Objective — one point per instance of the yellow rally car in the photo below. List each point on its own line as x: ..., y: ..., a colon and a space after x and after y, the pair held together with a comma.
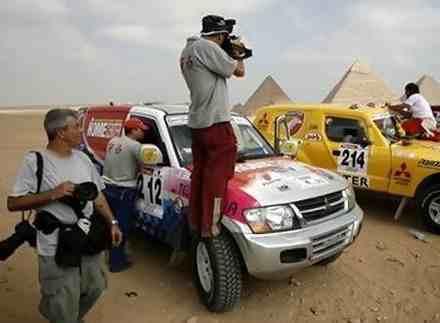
x: 362, y: 143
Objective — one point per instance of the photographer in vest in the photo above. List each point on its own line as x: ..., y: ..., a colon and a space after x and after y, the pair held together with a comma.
x: 67, y: 292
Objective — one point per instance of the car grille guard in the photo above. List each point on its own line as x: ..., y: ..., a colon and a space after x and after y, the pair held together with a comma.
x: 317, y: 209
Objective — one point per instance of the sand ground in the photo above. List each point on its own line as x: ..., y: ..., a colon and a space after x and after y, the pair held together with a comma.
x: 386, y: 276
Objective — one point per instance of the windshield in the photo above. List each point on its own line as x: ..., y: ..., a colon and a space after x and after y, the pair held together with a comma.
x: 388, y: 127
x: 250, y: 143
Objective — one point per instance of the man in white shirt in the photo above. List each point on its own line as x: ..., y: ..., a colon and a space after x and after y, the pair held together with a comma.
x: 421, y: 118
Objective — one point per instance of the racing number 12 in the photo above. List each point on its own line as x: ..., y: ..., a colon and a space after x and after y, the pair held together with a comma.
x: 357, y: 158
x: 155, y: 187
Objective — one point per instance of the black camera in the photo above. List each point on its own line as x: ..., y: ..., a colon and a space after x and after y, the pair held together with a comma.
x: 45, y: 222
x: 235, y: 48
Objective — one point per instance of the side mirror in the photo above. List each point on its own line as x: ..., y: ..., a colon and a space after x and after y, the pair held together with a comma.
x: 364, y: 142
x: 290, y: 147
x: 150, y: 155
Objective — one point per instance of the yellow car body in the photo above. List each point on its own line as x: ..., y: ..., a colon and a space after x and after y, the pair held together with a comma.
x: 331, y: 138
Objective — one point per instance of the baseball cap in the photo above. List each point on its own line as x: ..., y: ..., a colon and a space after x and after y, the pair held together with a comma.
x: 212, y: 24
x: 135, y: 123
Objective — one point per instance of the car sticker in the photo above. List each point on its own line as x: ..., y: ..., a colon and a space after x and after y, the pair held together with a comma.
x: 352, y: 159
x: 310, y: 181
x: 427, y: 163
x: 358, y: 181
x: 313, y: 136
x: 104, y: 128
x: 402, y: 175
x: 152, y: 192
x: 177, y: 120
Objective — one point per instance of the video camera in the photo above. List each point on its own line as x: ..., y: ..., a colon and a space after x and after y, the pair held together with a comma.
x: 25, y: 232
x: 233, y: 44
x: 234, y: 47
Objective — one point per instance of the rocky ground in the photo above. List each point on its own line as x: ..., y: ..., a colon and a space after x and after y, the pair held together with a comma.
x: 386, y: 276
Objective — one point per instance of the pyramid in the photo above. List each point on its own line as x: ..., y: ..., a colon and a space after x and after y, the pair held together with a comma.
x: 269, y: 92
x: 360, y: 85
x: 430, y: 89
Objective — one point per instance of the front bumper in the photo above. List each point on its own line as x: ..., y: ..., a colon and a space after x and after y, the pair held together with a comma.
x: 278, y: 255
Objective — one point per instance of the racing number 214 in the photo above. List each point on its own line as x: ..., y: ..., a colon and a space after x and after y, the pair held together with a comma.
x: 353, y: 158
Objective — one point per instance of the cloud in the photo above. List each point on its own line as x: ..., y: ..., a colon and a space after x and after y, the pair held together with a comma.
x: 136, y: 34
x: 88, y: 50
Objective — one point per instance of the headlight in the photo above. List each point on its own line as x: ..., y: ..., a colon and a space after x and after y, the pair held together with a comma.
x: 350, y: 198
x: 270, y: 219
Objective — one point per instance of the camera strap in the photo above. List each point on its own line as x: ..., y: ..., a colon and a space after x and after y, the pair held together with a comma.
x: 39, y: 175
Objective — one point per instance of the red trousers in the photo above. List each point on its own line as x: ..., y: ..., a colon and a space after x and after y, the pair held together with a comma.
x: 413, y: 126
x: 214, y: 151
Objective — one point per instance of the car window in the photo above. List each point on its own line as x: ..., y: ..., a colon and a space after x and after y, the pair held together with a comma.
x: 344, y: 130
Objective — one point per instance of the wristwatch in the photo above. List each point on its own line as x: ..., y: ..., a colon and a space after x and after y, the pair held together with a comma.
x: 115, y: 222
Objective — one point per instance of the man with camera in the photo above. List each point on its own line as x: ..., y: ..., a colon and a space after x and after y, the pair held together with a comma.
x: 67, y: 292
x: 206, y: 63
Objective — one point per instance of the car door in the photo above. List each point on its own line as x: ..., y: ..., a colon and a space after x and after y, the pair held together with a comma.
x: 349, y: 157
x: 163, y: 193
x: 365, y: 164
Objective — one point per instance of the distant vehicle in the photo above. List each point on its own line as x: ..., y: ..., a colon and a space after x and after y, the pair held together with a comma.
x: 363, y: 144
x: 279, y: 215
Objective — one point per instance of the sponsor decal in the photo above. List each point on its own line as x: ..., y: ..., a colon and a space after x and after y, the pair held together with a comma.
x: 309, y: 181
x: 177, y: 120
x: 231, y: 208
x: 358, y: 181
x: 263, y: 123
x: 283, y: 188
x: 313, y: 136
x: 104, y: 128
x: 402, y: 175
x: 428, y: 163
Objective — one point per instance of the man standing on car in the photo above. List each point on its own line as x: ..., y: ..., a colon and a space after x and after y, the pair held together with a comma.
x: 121, y: 167
x: 421, y: 115
x: 205, y: 67
x: 67, y: 293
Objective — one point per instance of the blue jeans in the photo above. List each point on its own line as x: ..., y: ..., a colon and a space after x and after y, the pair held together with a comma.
x: 121, y: 201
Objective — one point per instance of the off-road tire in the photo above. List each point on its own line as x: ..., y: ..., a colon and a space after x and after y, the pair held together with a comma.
x: 424, y: 201
x: 226, y: 283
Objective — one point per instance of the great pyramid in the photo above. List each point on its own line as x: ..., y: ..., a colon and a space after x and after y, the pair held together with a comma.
x: 430, y: 89
x: 360, y: 85
x: 269, y: 92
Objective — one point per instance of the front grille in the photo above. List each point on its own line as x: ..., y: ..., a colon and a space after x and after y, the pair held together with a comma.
x: 320, y: 207
x: 330, y: 242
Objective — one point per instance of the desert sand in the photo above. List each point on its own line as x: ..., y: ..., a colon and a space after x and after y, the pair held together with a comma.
x: 386, y: 276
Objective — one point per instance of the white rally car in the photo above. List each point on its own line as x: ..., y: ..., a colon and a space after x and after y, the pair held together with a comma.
x: 279, y: 215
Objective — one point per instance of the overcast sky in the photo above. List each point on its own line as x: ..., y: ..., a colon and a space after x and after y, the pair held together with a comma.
x: 87, y: 51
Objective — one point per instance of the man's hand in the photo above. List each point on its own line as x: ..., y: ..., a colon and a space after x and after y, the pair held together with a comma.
x: 64, y: 189
x: 116, y: 235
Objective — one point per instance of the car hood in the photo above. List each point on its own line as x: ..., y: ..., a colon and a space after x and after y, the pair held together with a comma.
x: 418, y: 149
x: 281, y: 180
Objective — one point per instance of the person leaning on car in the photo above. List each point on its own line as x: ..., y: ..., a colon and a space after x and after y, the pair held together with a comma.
x: 205, y: 67
x: 121, y: 167
x: 67, y: 293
